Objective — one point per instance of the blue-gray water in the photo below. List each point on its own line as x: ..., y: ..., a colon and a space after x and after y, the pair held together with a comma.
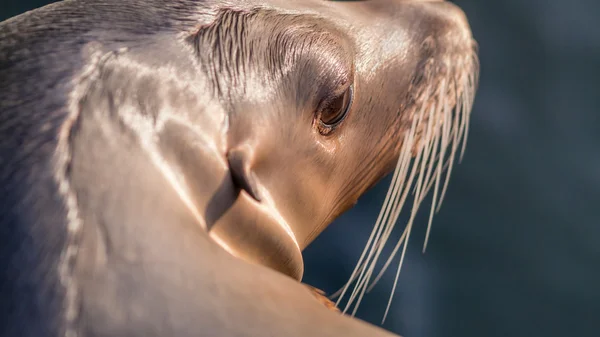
x: 515, y: 249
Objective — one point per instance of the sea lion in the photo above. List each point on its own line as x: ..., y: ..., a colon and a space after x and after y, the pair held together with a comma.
x: 163, y: 164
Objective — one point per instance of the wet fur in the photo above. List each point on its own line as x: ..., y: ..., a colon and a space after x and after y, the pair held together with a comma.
x: 37, y: 84
x: 54, y: 81
x: 44, y: 88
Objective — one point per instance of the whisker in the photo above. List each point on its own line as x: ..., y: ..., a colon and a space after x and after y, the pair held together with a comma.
x: 375, y: 229
x: 405, y: 159
x: 439, y: 126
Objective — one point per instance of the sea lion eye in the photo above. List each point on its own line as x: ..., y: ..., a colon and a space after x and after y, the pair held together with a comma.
x: 334, y: 110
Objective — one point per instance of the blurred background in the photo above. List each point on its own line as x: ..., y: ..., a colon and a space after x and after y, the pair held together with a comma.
x: 515, y: 249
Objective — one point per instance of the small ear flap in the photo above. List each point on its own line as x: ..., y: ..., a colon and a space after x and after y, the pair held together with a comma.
x: 239, y: 166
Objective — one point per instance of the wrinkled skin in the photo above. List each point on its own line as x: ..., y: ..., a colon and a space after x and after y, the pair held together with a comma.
x: 162, y: 164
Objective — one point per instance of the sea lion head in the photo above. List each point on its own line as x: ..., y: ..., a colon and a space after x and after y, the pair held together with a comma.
x: 143, y: 138
x: 323, y: 99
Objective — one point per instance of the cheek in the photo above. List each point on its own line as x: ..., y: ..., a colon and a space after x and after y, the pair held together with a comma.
x: 367, y: 157
x: 287, y: 164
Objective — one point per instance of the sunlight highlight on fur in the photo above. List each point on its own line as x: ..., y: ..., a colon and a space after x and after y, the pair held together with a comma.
x: 427, y: 154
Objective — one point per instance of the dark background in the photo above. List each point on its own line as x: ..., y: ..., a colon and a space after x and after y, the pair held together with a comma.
x: 515, y: 250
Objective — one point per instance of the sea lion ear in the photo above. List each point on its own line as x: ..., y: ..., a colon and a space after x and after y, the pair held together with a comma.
x: 239, y: 159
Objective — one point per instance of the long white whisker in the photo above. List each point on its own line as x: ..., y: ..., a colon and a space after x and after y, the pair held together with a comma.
x: 438, y: 127
x: 360, y: 265
x: 405, y: 159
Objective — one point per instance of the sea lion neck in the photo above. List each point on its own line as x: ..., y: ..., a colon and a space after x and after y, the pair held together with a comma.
x: 242, y: 215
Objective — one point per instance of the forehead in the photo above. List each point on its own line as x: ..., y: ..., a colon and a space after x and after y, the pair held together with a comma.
x: 377, y: 30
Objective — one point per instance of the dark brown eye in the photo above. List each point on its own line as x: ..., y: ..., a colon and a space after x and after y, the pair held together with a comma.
x: 334, y: 110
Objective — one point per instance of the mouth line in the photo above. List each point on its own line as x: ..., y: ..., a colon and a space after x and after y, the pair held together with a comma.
x: 444, y: 85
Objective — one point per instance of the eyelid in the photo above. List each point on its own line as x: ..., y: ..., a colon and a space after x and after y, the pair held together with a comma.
x: 326, y: 129
x: 340, y: 90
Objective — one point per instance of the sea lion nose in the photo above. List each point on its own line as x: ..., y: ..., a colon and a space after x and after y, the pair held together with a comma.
x: 439, y: 11
x: 449, y: 23
x: 449, y: 12
x: 398, y: 1
x: 428, y: 20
